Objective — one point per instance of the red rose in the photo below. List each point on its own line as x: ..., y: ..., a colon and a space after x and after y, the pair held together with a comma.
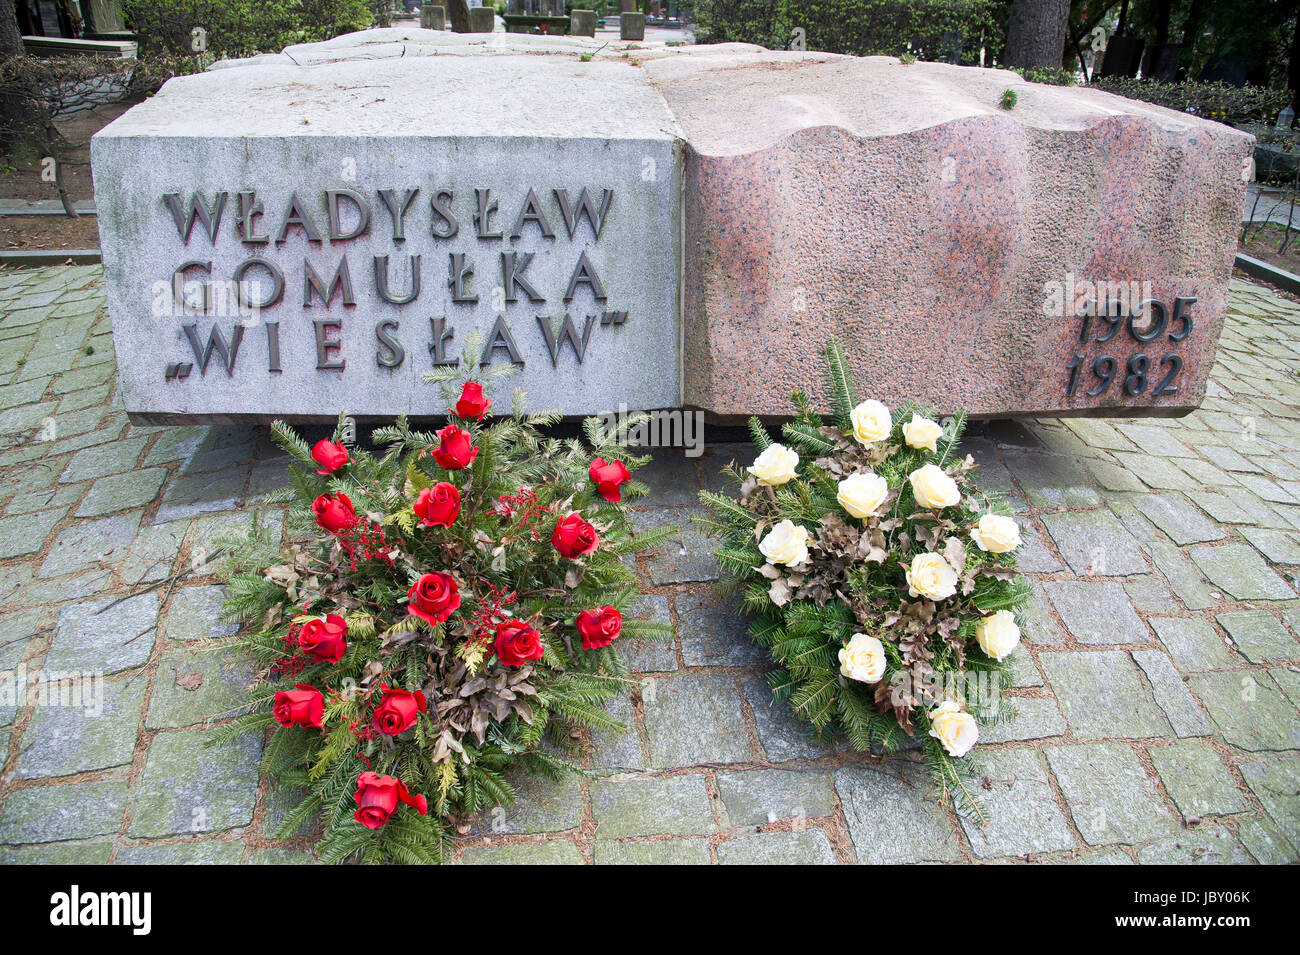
x: 574, y: 537
x: 456, y: 450
x: 599, y: 628
x: 303, y: 706
x: 397, y: 711
x: 323, y: 638
x: 472, y: 405
x: 608, y: 476
x: 434, y: 597
x: 438, y: 505
x: 377, y: 797
x: 329, y: 455
x: 517, y: 643
x: 334, y: 512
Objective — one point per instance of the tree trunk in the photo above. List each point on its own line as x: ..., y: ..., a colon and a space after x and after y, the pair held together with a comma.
x: 1293, y: 72
x: 11, y: 39
x: 1036, y: 33
x: 627, y: 6
x: 458, y: 14
x: 16, y: 113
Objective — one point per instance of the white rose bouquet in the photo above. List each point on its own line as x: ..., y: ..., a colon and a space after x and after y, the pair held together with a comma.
x: 881, y: 580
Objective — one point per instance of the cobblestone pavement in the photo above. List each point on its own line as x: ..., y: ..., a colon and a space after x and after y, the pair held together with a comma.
x: 1155, y: 709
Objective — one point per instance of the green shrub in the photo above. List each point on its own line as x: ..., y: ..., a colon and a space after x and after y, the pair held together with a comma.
x: 1233, y: 105
x: 927, y: 29
x: 239, y: 27
x: 1051, y: 75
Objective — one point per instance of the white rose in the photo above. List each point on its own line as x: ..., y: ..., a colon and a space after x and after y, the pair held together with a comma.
x: 998, y: 635
x: 922, y: 433
x: 932, y: 488
x: 775, y: 465
x: 996, y: 534
x: 863, y: 659
x: 862, y: 494
x: 931, y: 576
x: 955, y: 730
x: 787, y: 543
x: 871, y: 422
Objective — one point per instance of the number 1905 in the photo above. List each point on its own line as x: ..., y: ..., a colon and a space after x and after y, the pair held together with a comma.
x: 1138, y: 371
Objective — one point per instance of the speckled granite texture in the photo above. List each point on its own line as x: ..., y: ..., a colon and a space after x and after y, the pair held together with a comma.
x: 901, y: 209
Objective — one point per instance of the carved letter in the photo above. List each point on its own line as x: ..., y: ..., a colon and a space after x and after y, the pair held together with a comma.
x: 397, y: 209
x: 532, y: 212
x: 438, y: 347
x: 249, y: 210
x: 393, y: 353
x: 442, y: 209
x: 296, y: 216
x: 332, y: 197
x: 273, y: 346
x: 178, y: 289
x: 512, y: 267
x: 211, y: 218
x: 381, y: 280
x: 569, y: 332
x: 585, y: 274
x: 324, y: 344
x: 277, y: 283
x: 460, y: 272
x: 573, y: 219
x: 501, y: 338
x: 311, y: 283
x: 227, y: 351
x: 483, y: 218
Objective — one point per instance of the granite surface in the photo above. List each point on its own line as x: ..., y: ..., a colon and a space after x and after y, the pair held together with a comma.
x: 762, y: 202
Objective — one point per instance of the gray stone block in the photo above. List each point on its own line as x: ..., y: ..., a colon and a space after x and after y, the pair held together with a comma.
x: 889, y: 819
x: 715, y: 632
x: 62, y: 740
x: 1020, y: 805
x: 1094, y: 543
x: 781, y: 733
x: 104, y: 635
x: 757, y: 797
x: 1103, y: 696
x: 694, y: 718
x: 1249, y: 710
x: 1209, y: 846
x: 656, y: 852
x: 1096, y: 613
x: 58, y: 813
x: 1196, y: 780
x: 631, y: 26
x: 433, y: 18
x: 800, y: 847
x: 190, y: 788
x: 672, y: 805
x: 1110, y: 797
x: 582, y: 23
x: 1172, y: 694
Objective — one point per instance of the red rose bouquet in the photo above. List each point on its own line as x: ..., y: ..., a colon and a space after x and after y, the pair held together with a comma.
x: 461, y: 599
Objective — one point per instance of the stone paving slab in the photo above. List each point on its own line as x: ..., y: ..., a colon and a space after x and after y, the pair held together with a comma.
x: 1154, y: 716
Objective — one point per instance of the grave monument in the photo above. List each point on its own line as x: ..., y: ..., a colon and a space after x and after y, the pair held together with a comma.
x: 299, y: 233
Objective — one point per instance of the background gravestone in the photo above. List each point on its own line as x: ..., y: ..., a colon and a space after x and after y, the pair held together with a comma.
x: 433, y: 18
x: 582, y: 23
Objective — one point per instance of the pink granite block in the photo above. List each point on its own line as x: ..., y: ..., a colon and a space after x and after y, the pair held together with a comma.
x: 900, y: 209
